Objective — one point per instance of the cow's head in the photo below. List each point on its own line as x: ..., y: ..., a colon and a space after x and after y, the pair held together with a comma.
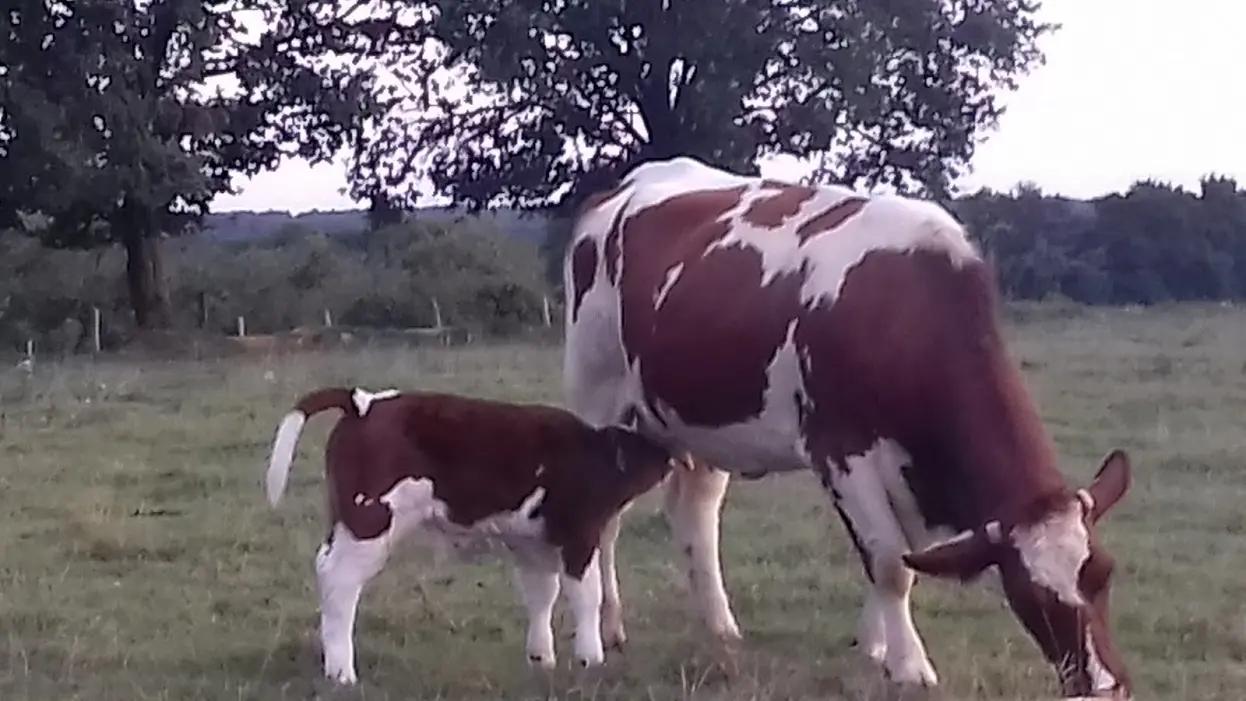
x: 1056, y: 575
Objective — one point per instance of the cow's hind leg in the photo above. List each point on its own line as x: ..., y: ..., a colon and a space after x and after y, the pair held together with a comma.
x: 344, y: 566
x: 694, y: 501
x: 887, y: 629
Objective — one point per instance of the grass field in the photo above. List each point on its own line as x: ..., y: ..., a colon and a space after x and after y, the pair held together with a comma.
x: 141, y: 561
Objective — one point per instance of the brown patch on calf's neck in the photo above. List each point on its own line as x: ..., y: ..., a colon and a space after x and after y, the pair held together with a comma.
x: 705, y: 389
x: 770, y: 211
x: 831, y: 218
x: 583, y: 270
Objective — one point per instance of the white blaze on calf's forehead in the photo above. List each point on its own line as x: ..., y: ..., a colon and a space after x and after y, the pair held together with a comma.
x: 1054, y: 550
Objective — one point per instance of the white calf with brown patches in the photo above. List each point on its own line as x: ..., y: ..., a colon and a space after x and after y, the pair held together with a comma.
x: 768, y: 327
x: 541, y: 488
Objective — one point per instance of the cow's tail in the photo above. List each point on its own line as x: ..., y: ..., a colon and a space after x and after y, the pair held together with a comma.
x: 291, y: 428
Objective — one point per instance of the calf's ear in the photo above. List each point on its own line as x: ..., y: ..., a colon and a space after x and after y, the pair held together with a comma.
x: 963, y: 557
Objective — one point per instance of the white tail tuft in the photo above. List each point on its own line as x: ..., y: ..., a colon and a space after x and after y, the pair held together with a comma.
x: 283, y: 454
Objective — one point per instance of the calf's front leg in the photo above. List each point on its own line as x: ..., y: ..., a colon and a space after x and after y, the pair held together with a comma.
x: 581, y: 584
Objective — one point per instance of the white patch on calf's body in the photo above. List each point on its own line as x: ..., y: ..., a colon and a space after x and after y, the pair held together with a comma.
x: 364, y: 399
x: 417, y: 512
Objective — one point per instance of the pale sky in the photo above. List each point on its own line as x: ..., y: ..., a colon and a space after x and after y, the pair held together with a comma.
x: 1131, y: 89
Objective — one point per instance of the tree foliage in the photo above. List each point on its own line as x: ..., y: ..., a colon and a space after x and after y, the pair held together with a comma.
x: 107, y: 130
x: 1152, y: 244
x: 512, y: 101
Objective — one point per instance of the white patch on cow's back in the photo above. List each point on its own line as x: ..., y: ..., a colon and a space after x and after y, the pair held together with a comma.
x: 654, y: 182
x: 364, y: 399
x: 885, y: 223
x: 416, y: 511
x: 1054, y: 550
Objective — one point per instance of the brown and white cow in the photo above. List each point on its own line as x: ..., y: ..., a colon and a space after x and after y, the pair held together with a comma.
x: 473, y: 476
x: 769, y: 327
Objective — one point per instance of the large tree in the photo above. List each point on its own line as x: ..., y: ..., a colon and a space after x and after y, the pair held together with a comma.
x: 108, y: 131
x: 511, y: 101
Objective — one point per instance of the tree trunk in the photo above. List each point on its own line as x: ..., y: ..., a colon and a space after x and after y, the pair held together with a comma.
x: 144, y: 270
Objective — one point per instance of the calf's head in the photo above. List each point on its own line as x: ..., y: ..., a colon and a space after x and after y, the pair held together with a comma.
x: 636, y: 454
x: 1056, y: 576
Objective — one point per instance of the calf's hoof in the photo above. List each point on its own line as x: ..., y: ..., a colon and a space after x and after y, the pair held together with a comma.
x: 542, y: 661
x: 586, y: 662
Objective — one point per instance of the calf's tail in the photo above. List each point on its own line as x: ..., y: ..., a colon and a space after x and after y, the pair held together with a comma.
x: 291, y: 428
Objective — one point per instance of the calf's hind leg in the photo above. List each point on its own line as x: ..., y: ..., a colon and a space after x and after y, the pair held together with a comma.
x: 344, y: 566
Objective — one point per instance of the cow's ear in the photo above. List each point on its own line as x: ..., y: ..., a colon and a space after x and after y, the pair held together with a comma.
x: 1109, y: 485
x: 963, y: 557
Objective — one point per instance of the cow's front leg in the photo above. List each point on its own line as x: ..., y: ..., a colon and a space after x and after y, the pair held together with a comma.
x: 694, y: 499
x: 538, y: 587
x: 581, y: 584
x: 887, y: 628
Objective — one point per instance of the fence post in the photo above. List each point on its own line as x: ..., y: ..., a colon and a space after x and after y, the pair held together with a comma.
x: 242, y: 326
x: 328, y: 317
x: 545, y: 313
x: 97, y: 324
x: 436, y: 314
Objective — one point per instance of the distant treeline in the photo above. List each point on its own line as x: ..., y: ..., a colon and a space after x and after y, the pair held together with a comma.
x: 480, y: 280
x: 1152, y: 244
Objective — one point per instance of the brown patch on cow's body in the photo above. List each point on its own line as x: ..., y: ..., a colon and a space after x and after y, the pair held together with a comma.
x: 438, y: 437
x: 704, y: 389
x: 954, y: 401
x: 830, y: 219
x: 770, y: 211
x: 583, y: 270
